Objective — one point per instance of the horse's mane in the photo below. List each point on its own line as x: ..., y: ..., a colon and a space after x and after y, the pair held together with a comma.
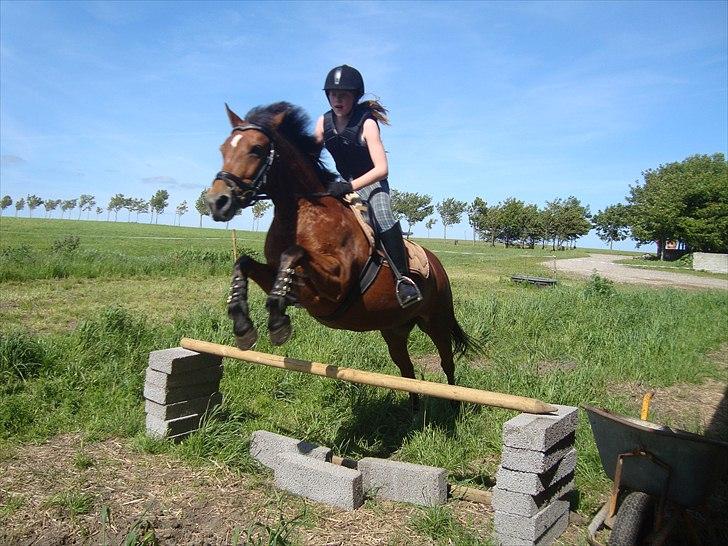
x: 293, y: 128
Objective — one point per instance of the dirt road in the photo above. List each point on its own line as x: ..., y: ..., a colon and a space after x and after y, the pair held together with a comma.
x: 604, y: 265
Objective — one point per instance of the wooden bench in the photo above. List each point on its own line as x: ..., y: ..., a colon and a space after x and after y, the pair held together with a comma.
x: 538, y: 281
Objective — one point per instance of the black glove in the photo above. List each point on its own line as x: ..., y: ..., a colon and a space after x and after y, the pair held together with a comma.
x: 340, y: 188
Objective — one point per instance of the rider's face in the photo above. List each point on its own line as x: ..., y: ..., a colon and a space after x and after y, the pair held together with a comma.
x: 341, y: 101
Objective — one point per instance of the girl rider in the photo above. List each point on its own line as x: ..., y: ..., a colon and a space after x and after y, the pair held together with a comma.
x: 350, y: 132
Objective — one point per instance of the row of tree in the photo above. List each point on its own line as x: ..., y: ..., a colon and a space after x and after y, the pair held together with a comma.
x: 133, y: 205
x: 681, y: 202
x: 511, y: 222
x: 684, y: 202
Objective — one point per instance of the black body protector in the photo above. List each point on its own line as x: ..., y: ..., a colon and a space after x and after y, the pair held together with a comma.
x: 352, y: 159
x: 350, y: 154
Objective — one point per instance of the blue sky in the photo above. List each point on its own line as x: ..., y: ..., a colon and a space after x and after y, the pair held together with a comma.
x: 533, y: 100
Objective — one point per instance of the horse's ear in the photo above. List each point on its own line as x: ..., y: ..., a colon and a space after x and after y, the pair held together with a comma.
x: 233, y: 117
x: 278, y: 118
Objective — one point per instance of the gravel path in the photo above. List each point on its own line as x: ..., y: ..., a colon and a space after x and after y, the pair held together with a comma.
x: 605, y: 266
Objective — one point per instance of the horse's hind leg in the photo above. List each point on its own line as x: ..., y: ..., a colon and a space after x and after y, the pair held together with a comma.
x: 245, y: 333
x: 396, y: 339
x: 438, y: 329
x: 281, y: 296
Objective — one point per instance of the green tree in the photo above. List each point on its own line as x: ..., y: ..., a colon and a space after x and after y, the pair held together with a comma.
x: 429, y: 224
x: 492, y: 225
x: 50, y: 205
x: 33, y: 203
x: 450, y: 211
x: 258, y: 210
x: 99, y: 210
x: 140, y: 206
x: 68, y: 205
x: 511, y: 217
x: 158, y: 203
x: 201, y: 206
x: 116, y: 203
x: 685, y: 201
x: 477, y: 211
x: 86, y: 202
x: 19, y: 205
x: 611, y: 224
x: 5, y: 202
x: 411, y: 206
x: 180, y: 210
x: 565, y: 221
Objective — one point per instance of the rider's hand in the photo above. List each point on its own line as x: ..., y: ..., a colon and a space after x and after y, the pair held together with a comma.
x: 340, y: 188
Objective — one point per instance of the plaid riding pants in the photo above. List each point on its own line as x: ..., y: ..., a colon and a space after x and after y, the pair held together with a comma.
x: 380, y: 205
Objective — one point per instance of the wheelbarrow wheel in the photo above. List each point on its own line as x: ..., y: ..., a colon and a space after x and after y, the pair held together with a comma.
x: 634, y: 520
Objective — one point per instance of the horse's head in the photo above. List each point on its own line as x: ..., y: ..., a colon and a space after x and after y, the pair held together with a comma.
x: 247, y: 155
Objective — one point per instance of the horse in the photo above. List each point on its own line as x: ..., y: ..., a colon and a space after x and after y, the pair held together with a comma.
x: 315, y: 251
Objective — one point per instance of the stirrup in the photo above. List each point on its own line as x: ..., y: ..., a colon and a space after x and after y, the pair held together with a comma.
x: 412, y: 298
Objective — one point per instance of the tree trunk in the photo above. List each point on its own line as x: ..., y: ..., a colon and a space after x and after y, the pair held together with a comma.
x: 200, y: 220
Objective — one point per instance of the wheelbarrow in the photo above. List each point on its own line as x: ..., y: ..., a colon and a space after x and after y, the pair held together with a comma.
x: 665, y: 471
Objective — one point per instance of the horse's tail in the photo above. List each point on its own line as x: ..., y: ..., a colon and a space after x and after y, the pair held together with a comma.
x: 463, y: 343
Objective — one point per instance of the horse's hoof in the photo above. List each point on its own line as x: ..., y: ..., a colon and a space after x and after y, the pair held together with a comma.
x: 280, y: 335
x: 247, y: 340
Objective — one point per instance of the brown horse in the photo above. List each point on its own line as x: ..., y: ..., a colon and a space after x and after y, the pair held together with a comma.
x: 314, y: 250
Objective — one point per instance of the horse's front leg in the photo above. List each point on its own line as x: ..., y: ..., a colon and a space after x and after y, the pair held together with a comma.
x: 245, y: 333
x: 281, y: 296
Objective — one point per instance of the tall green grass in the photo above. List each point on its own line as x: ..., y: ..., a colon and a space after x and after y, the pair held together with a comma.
x: 568, y: 345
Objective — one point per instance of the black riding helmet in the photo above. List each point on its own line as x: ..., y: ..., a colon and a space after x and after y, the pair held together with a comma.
x: 346, y: 78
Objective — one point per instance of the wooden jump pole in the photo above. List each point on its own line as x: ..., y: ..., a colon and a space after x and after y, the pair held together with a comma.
x: 417, y: 386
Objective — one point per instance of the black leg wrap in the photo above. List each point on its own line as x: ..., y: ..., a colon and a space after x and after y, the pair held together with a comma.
x: 245, y: 333
x: 280, y: 297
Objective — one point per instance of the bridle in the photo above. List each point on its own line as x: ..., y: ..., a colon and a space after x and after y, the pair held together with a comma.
x: 248, y: 191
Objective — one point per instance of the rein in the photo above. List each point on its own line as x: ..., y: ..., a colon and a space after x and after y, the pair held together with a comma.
x: 248, y: 191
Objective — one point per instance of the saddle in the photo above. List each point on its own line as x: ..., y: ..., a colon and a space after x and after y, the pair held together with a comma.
x: 416, y: 257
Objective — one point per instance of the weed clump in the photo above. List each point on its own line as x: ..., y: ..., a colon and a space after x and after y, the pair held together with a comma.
x: 22, y: 357
x: 68, y: 244
x: 598, y: 286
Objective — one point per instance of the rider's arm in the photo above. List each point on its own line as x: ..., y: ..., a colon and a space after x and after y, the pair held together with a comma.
x: 318, y: 132
x: 373, y: 140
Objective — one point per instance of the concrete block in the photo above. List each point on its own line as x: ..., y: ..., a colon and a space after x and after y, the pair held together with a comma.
x: 531, y: 529
x: 522, y: 504
x: 540, y: 432
x: 537, y: 462
x: 267, y: 446
x: 535, y: 484
x: 180, y: 361
x: 319, y: 481
x: 551, y: 534
x: 161, y: 428
x: 210, y: 374
x: 404, y: 482
x: 162, y: 395
x: 181, y: 409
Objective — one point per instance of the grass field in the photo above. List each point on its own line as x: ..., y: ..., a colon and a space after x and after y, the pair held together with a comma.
x: 77, y: 319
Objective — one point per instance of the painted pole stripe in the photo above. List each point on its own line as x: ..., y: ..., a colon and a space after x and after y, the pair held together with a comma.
x: 417, y: 386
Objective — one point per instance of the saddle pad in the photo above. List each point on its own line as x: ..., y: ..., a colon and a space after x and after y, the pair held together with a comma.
x: 417, y: 258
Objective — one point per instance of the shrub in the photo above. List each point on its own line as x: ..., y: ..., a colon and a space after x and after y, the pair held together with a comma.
x: 67, y: 244
x: 21, y: 356
x: 599, y: 286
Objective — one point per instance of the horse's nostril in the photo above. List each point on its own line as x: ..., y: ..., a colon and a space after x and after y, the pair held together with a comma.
x: 222, y: 202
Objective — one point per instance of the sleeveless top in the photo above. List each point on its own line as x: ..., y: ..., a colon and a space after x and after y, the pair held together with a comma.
x: 350, y: 154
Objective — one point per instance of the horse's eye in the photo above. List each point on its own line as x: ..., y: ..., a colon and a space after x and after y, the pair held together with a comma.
x: 257, y: 150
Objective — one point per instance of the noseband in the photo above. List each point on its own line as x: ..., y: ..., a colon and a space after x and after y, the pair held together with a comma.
x: 248, y: 191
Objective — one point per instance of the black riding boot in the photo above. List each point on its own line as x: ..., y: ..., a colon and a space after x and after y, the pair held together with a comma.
x: 407, y: 291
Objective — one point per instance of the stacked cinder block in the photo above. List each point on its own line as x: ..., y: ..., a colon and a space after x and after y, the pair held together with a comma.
x: 536, y: 474
x: 180, y: 387
x: 305, y: 469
